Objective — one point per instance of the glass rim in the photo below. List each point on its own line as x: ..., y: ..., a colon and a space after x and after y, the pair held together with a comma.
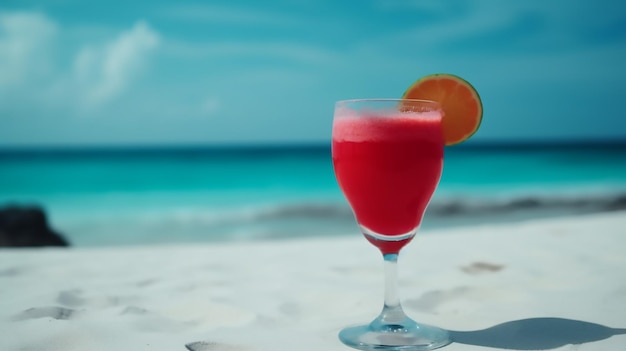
x: 417, y: 101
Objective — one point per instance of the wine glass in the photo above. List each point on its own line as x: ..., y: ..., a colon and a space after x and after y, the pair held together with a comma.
x: 388, y: 158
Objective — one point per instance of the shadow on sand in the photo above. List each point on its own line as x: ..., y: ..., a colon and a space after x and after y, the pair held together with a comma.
x: 536, y: 334
x: 523, y: 334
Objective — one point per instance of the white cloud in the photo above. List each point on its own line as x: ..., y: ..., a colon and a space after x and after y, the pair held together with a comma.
x: 39, y: 71
x: 105, y: 71
x: 25, y: 40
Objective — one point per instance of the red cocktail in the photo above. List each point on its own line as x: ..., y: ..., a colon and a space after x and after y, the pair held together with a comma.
x: 388, y: 167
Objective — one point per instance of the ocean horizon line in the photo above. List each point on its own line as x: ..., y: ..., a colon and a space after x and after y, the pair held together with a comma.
x: 505, y: 145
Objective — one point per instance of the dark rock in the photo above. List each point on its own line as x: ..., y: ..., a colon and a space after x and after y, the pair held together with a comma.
x: 27, y: 227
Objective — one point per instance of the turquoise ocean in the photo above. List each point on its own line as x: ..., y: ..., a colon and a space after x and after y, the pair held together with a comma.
x: 138, y: 196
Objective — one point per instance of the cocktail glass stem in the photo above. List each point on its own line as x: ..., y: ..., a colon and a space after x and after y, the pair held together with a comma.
x: 392, y: 312
x: 392, y: 329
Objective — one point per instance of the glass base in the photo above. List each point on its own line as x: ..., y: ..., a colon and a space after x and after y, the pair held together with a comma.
x: 407, y: 336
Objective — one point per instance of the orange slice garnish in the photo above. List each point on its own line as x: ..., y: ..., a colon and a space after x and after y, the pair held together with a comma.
x: 462, y: 108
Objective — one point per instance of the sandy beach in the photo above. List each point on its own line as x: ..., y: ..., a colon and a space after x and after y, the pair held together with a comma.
x: 553, y: 284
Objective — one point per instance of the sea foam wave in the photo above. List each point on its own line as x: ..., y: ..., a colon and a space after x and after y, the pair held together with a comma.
x: 440, y: 208
x: 568, y: 203
x: 308, y: 219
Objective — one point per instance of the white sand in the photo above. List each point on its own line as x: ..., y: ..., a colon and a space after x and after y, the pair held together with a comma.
x: 296, y: 295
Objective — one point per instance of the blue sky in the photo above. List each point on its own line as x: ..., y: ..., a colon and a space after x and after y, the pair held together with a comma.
x: 179, y: 72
